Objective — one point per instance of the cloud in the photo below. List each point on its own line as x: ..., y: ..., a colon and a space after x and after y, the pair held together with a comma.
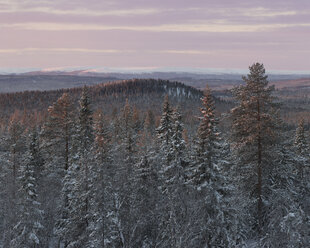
x: 253, y: 12
x: 189, y: 52
x: 220, y: 27
x: 81, y: 11
x: 86, y: 50
x: 263, y: 12
x: 61, y: 50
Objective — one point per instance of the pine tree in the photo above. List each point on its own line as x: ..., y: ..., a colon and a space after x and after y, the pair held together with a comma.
x: 254, y: 133
x: 57, y: 131
x: 57, y: 136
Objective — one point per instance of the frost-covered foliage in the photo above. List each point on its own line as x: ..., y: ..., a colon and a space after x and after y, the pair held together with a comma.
x: 287, y: 224
x: 301, y: 142
x: 29, y: 229
x: 137, y: 177
x: 214, y: 226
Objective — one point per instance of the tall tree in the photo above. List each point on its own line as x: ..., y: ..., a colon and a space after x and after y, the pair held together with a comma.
x: 172, y: 156
x: 101, y: 185
x: 254, y: 133
x: 73, y: 224
x: 165, y: 130
x: 207, y: 144
x: 57, y: 135
x: 15, y: 143
x: 207, y: 176
x: 58, y: 130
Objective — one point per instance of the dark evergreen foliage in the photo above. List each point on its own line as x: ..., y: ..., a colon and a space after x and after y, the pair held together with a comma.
x: 107, y: 168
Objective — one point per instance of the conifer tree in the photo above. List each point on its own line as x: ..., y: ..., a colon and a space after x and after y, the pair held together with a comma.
x: 207, y: 145
x: 124, y: 185
x: 15, y: 142
x: 149, y: 122
x: 29, y: 230
x: 178, y: 142
x: 58, y: 130
x: 101, y: 185
x: 254, y: 133
x: 146, y: 196
x: 172, y: 159
x: 207, y: 176
x: 72, y: 226
x: 16, y: 146
x: 165, y: 130
x: 57, y: 135
x: 128, y: 135
x: 85, y: 132
x: 288, y: 224
x: 301, y: 143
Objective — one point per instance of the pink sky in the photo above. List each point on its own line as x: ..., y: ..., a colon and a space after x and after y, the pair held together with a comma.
x: 159, y: 33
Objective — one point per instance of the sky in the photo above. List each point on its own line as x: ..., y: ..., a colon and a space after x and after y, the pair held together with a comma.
x: 145, y: 35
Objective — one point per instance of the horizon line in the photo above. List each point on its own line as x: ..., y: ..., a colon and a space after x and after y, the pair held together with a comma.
x: 144, y: 70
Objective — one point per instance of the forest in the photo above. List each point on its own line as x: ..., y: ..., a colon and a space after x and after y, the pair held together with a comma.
x: 153, y: 164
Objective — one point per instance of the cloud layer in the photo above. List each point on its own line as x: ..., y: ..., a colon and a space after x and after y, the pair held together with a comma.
x: 173, y: 33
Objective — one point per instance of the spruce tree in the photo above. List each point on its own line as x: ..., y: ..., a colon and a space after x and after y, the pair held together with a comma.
x: 287, y: 208
x: 29, y: 230
x: 146, y: 196
x: 207, y: 144
x: 101, y: 185
x: 15, y: 143
x: 301, y: 143
x: 213, y: 223
x: 165, y: 130
x: 172, y: 159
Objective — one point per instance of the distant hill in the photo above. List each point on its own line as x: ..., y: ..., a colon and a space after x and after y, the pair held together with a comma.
x: 53, y: 80
x: 297, y: 83
x: 23, y: 82
x: 144, y: 94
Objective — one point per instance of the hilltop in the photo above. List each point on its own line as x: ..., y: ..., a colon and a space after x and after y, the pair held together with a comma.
x: 143, y: 94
